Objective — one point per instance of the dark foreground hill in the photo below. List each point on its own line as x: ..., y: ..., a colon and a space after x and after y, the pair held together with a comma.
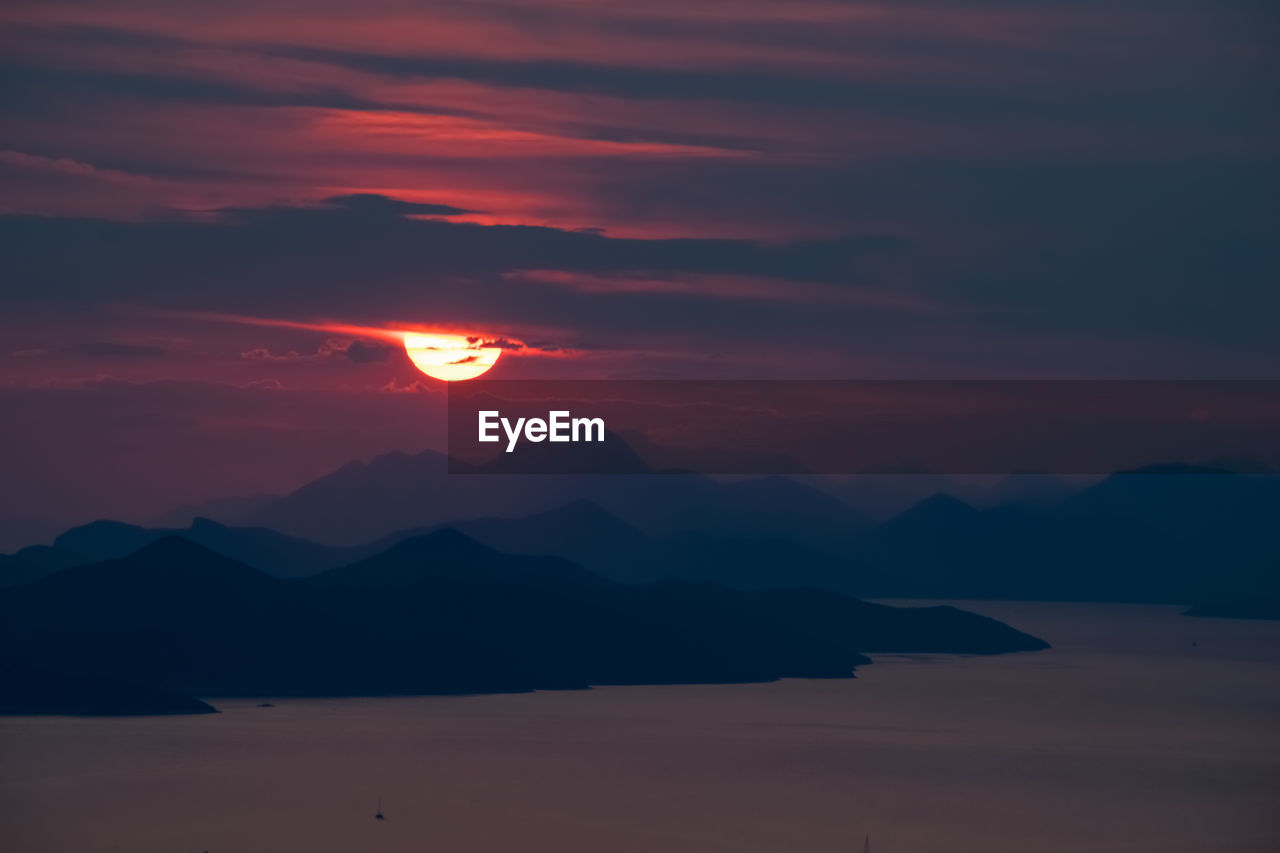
x: 444, y: 614
x: 24, y: 690
x: 35, y: 561
x: 274, y: 553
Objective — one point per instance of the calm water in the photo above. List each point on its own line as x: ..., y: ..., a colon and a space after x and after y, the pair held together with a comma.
x: 1125, y: 737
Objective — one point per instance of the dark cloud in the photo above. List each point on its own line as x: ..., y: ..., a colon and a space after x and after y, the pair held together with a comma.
x: 1171, y: 252
x: 1069, y: 188
x: 374, y: 205
x: 1090, y: 170
x: 34, y: 90
x: 1090, y: 99
x: 314, y: 255
x: 500, y: 343
x: 355, y: 351
x: 361, y: 352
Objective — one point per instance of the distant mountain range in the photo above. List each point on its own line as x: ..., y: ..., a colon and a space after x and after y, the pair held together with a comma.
x: 1164, y: 534
x: 363, y: 501
x: 435, y: 613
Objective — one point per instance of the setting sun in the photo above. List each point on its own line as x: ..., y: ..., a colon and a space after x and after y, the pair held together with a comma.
x: 450, y: 357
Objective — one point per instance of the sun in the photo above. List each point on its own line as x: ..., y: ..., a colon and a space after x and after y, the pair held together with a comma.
x: 450, y: 357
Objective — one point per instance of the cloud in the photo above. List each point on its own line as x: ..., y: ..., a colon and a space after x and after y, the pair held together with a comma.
x: 355, y: 351
x: 378, y: 205
x: 498, y: 343
x: 656, y: 178
x: 368, y: 353
x: 1116, y: 253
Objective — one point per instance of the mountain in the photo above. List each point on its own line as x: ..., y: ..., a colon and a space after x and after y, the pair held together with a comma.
x: 867, y: 626
x: 17, y: 532
x: 882, y: 496
x: 710, y: 460
x: 1164, y: 534
x: 275, y: 553
x: 448, y: 554
x: 781, y: 506
x: 1176, y: 534
x: 34, y: 562
x: 581, y: 531
x: 28, y: 691
x: 439, y: 613
x: 231, y: 510
x: 1028, y: 489
x: 743, y: 562
x: 613, y: 455
x: 104, y: 539
x: 364, y: 501
x: 945, y: 549
x: 1188, y: 502
x: 585, y: 533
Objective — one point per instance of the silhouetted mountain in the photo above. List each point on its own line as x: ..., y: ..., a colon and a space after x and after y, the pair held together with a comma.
x: 18, y: 532
x: 866, y: 626
x: 587, y: 534
x: 883, y: 496
x: 275, y: 553
x: 784, y: 507
x: 24, y: 690
x: 105, y: 539
x: 744, y: 562
x: 362, y: 502
x: 710, y: 460
x: 611, y: 456
x: 35, y: 562
x: 1028, y: 489
x: 580, y: 531
x: 1169, y: 533
x: 230, y: 511
x: 168, y: 582
x: 438, y: 613
x: 448, y: 554
x: 1186, y: 500
x: 939, y: 512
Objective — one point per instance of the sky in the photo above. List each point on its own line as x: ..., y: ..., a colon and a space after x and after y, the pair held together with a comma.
x: 693, y: 189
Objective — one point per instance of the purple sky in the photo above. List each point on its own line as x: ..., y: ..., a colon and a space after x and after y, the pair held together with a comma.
x: 700, y: 189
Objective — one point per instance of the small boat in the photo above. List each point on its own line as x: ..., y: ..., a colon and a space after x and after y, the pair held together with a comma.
x: 379, y: 816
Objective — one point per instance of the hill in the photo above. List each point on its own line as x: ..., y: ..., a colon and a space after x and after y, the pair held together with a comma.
x: 440, y: 613
x: 28, y: 691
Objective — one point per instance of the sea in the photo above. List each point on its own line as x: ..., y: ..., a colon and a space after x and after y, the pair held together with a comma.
x: 1141, y: 730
